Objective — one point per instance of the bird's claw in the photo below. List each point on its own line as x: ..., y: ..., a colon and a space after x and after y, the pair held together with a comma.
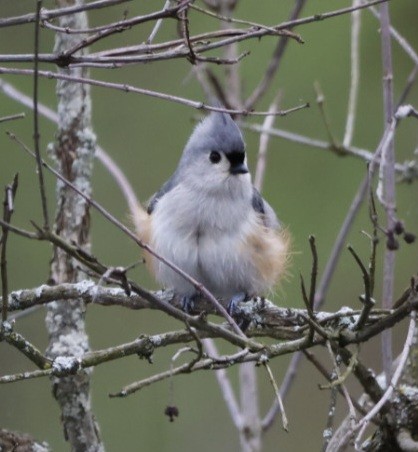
x: 233, y: 303
x: 187, y: 303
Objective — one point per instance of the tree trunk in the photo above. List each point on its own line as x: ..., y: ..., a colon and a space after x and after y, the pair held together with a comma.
x: 74, y: 152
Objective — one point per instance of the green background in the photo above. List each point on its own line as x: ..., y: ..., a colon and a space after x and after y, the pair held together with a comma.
x: 310, y: 189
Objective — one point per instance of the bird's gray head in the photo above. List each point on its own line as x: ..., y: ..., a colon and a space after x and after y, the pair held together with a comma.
x: 215, y: 154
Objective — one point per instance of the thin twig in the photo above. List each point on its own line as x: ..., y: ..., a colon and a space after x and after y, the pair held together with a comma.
x: 225, y: 386
x: 12, y: 117
x: 363, y: 154
x: 233, y: 20
x: 212, y: 363
x: 263, y: 146
x: 59, y: 12
x: 320, y: 100
x: 408, y: 86
x: 314, y: 273
x: 340, y: 380
x: 157, y: 25
x: 319, y: 366
x: 328, y: 432
x: 309, y: 310
x: 387, y: 184
x: 119, y: 26
x: 19, y: 231
x: 183, y: 14
x: 8, y: 208
x: 25, y: 347
x: 285, y: 422
x: 355, y: 75
x: 36, y: 122
x: 401, y: 40
x: 367, y: 299
x: 156, y: 94
x: 182, y: 53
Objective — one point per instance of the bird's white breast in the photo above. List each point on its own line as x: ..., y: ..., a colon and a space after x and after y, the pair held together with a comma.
x: 205, y: 236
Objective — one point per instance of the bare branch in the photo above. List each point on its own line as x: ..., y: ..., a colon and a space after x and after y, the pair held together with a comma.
x: 386, y: 187
x: 59, y: 12
x: 285, y: 422
x: 279, y: 323
x: 159, y: 95
x: 24, y: 346
x: 8, y: 208
x: 36, y: 135
x: 262, y: 150
x: 363, y: 154
x: 355, y: 75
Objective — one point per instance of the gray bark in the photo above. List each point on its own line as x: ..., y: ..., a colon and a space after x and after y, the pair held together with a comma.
x: 73, y: 152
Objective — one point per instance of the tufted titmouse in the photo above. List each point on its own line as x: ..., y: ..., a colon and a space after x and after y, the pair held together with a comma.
x: 210, y: 221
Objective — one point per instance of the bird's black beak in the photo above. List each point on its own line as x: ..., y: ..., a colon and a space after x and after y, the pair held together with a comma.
x: 238, y: 168
x: 237, y: 162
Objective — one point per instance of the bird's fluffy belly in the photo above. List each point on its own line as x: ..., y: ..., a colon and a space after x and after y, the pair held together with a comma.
x: 226, y: 263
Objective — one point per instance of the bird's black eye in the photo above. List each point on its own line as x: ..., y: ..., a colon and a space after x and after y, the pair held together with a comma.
x: 215, y: 157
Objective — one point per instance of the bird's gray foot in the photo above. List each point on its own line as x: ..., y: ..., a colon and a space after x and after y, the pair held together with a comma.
x: 233, y: 310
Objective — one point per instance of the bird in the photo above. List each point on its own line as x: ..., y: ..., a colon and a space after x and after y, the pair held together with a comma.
x: 210, y: 221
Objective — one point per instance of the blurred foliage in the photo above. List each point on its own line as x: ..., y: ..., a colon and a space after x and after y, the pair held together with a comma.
x: 310, y: 190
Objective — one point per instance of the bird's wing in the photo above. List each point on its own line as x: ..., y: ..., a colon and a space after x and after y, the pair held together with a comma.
x: 262, y: 207
x: 168, y: 186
